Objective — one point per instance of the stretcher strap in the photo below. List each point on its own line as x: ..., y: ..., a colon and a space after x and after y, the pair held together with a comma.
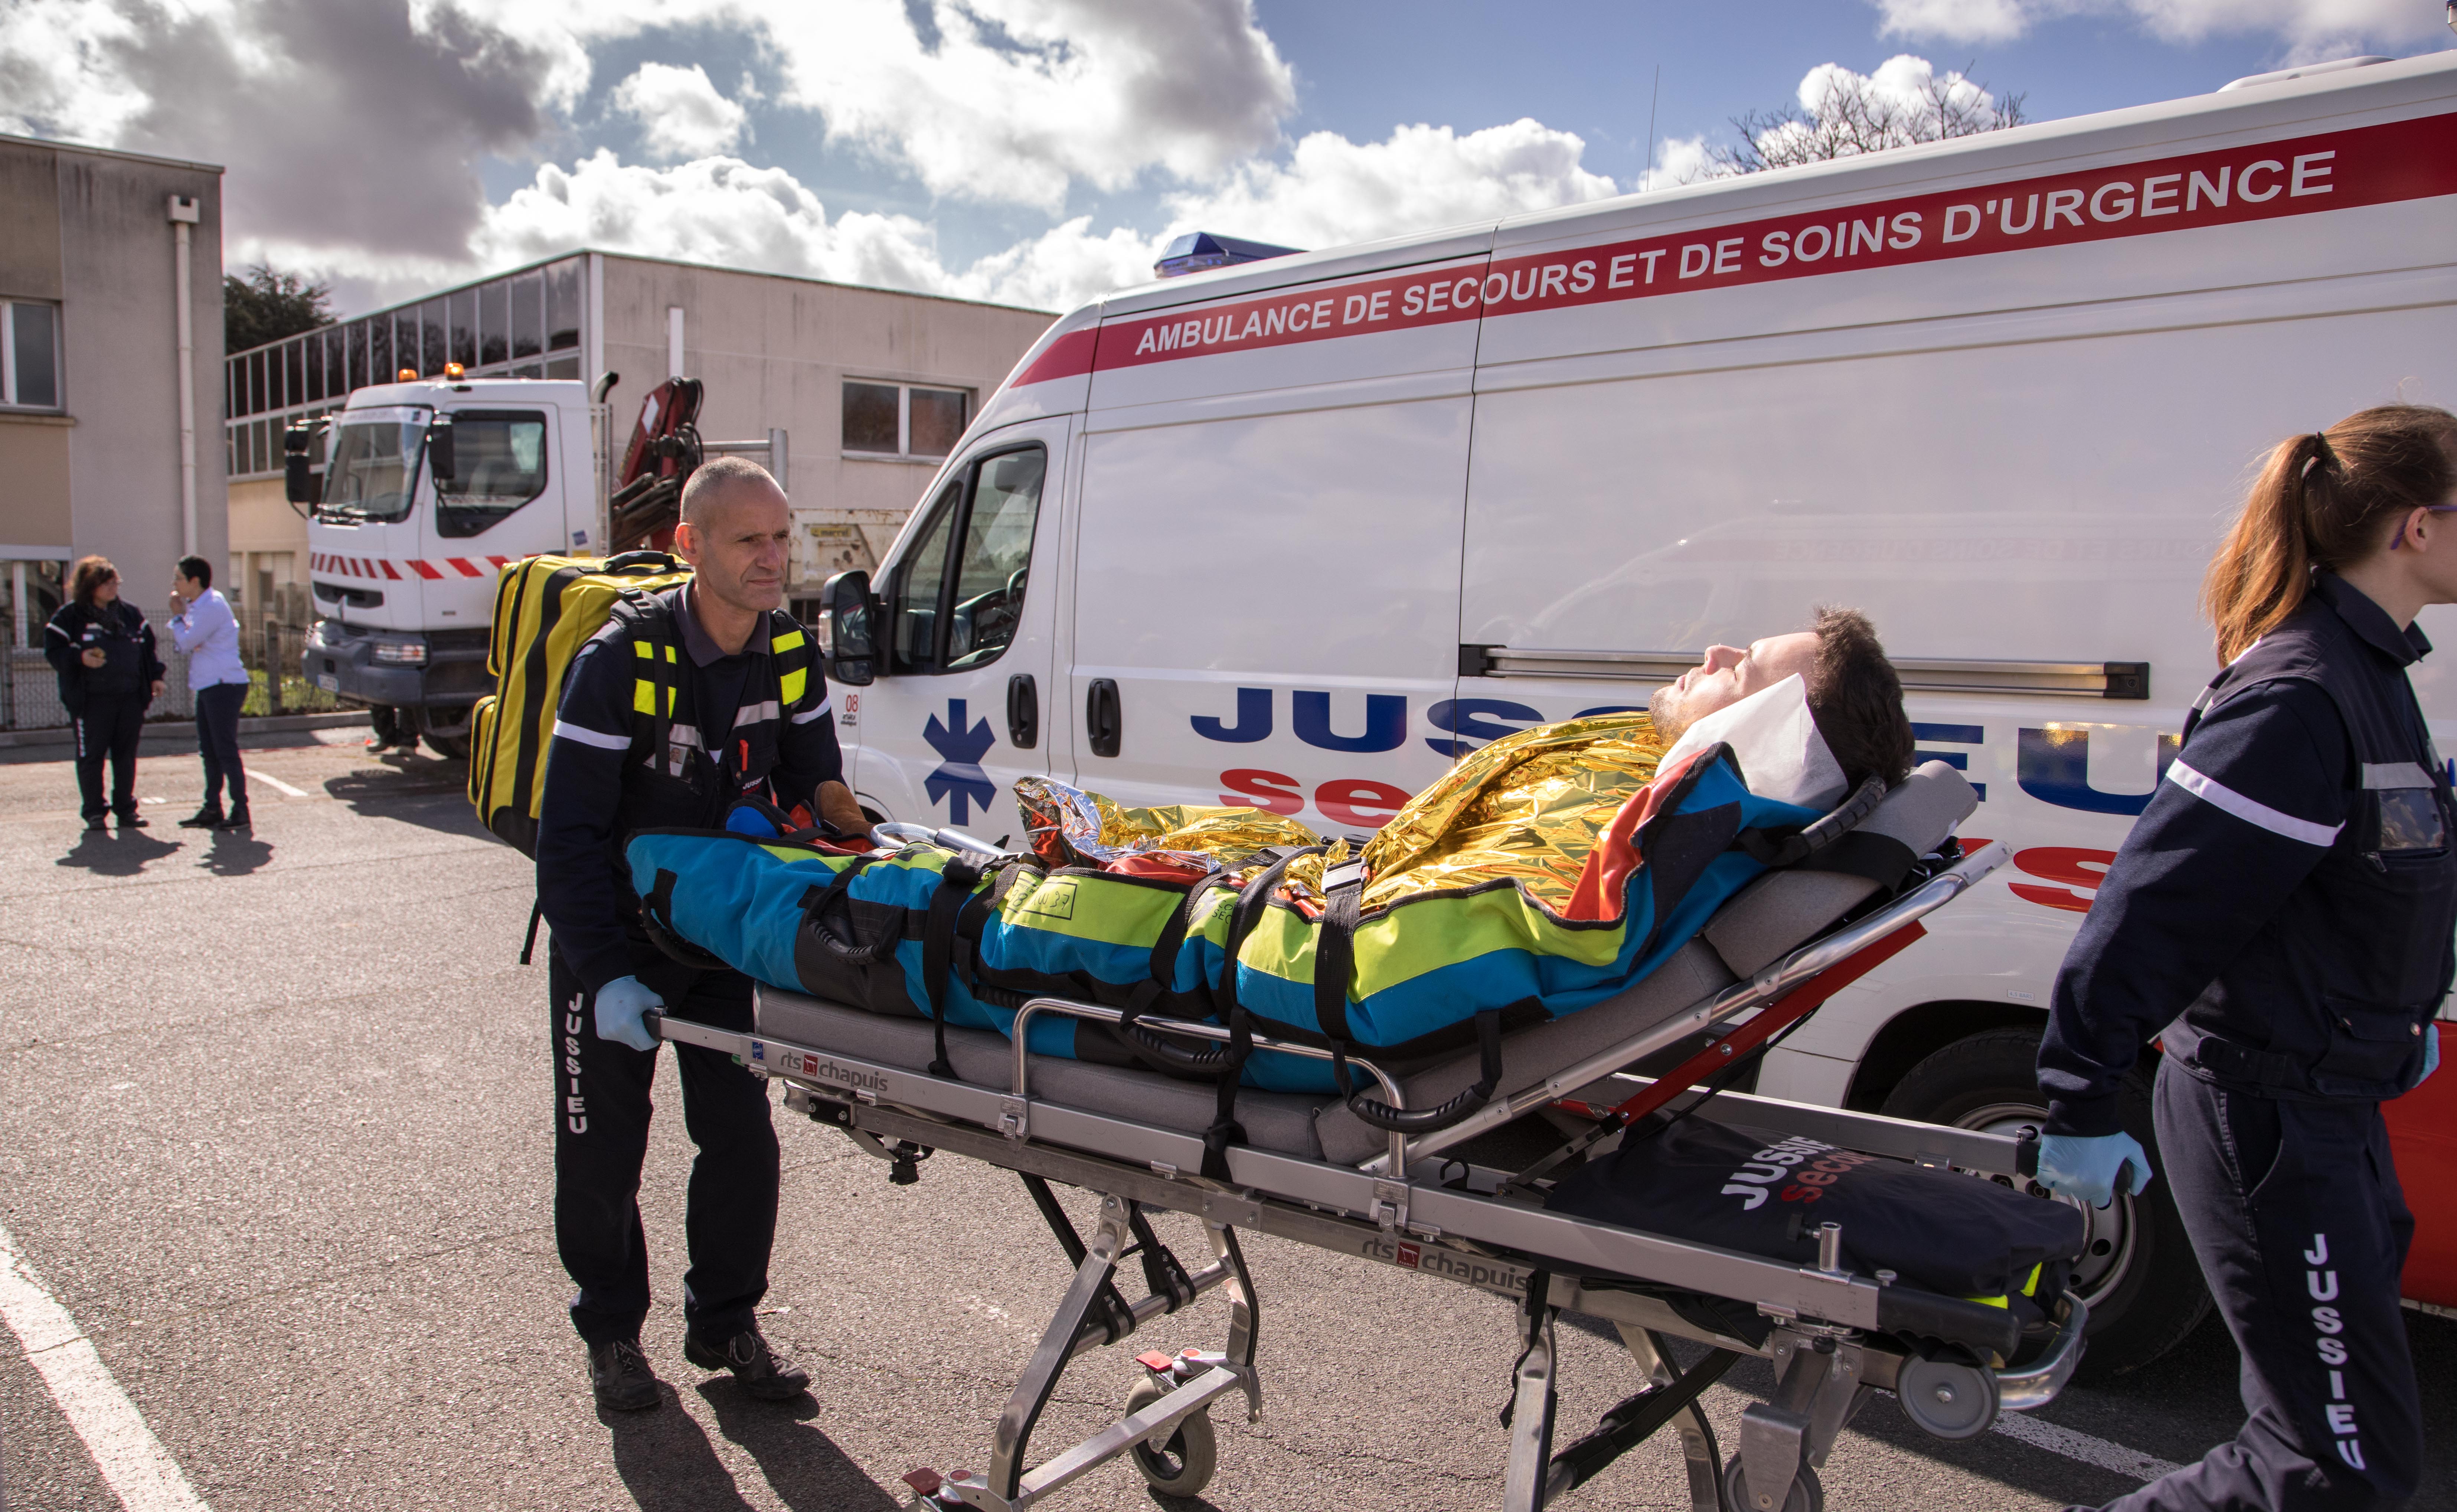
x: 1334, y: 960
x: 1225, y: 1130
x: 1160, y: 984
x: 957, y: 880
x: 1426, y: 1120
x: 1769, y: 848
x: 819, y: 902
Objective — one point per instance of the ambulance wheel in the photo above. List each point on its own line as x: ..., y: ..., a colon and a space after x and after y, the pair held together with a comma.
x: 450, y: 747
x: 1182, y: 1463
x: 1806, y: 1495
x: 2137, y: 1271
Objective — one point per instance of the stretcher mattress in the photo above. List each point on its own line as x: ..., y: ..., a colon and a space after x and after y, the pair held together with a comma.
x: 1775, y: 915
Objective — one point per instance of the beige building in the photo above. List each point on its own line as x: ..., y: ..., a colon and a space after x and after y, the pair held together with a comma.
x: 870, y: 387
x: 103, y: 447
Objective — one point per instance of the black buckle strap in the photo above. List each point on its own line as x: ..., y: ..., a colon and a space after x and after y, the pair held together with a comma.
x: 957, y: 878
x: 1225, y: 1130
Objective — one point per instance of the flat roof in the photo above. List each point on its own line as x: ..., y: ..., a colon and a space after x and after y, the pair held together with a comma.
x: 109, y: 152
x: 517, y: 269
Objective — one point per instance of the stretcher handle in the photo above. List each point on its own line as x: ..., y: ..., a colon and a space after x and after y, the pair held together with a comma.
x: 1418, y: 1121
x: 1176, y: 1058
x: 1925, y: 1315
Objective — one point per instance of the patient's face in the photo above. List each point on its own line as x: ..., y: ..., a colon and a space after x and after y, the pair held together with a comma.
x: 1728, y: 674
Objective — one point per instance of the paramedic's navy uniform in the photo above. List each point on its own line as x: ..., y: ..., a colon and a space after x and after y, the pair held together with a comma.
x: 106, y: 704
x: 609, y: 773
x: 2281, y: 918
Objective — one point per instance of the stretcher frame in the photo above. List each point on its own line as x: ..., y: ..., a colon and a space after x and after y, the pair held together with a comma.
x: 1834, y: 1337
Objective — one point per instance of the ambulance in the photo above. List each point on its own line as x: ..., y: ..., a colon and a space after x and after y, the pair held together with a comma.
x: 1299, y: 532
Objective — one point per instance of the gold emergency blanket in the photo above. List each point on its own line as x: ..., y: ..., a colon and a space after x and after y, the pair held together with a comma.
x: 1527, y: 807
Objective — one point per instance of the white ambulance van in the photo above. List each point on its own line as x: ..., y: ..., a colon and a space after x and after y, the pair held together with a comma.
x: 1299, y: 532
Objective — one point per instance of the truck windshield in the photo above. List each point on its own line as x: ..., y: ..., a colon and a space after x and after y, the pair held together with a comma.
x: 374, y: 466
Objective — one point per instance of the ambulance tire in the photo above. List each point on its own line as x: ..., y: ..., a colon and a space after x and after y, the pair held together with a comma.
x: 1183, y: 1462
x: 450, y: 747
x: 2140, y: 1277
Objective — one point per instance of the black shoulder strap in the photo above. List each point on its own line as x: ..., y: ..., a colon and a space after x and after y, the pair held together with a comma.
x: 1334, y: 960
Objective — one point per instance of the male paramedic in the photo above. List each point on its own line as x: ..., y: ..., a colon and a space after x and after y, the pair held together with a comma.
x: 685, y: 704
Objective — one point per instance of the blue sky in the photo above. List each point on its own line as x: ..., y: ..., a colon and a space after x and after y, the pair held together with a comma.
x: 1031, y: 151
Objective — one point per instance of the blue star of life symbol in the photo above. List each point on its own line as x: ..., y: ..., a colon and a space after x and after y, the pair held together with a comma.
x: 960, y: 779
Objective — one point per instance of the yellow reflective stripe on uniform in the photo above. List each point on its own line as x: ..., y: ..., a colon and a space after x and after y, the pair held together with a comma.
x: 1988, y: 1301
x: 643, y: 650
x: 791, y: 640
x: 792, y: 684
x: 2030, y: 1287
x: 644, y: 695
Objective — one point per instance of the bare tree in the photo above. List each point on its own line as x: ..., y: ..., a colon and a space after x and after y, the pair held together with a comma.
x: 1856, y: 113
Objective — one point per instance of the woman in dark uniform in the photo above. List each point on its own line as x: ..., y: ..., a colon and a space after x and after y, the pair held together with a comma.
x: 109, y: 672
x: 2281, y: 919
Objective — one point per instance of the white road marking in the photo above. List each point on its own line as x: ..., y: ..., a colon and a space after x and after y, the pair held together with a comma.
x: 138, y: 1469
x: 2082, y: 1446
x: 275, y: 783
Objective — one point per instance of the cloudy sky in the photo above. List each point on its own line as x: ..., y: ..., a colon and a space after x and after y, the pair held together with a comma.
x: 1037, y: 151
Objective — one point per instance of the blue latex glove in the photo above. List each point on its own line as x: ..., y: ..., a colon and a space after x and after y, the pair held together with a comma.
x: 747, y: 820
x: 622, y: 1012
x: 2085, y: 1166
x: 2431, y: 1052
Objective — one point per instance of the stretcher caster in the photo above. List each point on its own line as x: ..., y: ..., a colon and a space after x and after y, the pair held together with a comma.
x: 1806, y: 1494
x: 1182, y: 1461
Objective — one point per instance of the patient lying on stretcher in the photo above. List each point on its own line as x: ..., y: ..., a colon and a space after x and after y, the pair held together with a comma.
x: 1812, y: 715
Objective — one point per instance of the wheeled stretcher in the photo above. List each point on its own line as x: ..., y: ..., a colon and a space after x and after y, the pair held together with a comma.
x: 1311, y: 1170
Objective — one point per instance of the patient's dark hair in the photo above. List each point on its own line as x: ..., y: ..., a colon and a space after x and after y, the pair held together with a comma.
x: 1857, y: 701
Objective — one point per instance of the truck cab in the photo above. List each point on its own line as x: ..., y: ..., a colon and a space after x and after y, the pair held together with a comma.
x: 427, y: 488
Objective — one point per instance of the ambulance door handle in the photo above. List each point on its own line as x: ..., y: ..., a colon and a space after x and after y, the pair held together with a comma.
x: 1100, y: 719
x: 1023, y: 712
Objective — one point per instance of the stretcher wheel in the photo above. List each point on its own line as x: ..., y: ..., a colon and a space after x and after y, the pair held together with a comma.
x: 1182, y: 1463
x: 1806, y: 1494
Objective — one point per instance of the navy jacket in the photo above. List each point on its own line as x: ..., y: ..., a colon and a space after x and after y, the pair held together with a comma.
x: 2280, y: 915
x: 604, y: 780
x: 130, y: 666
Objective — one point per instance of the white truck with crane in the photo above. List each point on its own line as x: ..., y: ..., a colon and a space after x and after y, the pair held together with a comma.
x: 430, y: 485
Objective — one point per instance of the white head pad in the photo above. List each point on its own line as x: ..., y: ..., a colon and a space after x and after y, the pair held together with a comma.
x: 1782, y: 755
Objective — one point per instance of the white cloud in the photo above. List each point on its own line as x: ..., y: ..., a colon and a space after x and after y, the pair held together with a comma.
x: 1332, y: 190
x: 1013, y: 100
x: 2305, y: 27
x: 1680, y: 161
x: 681, y: 114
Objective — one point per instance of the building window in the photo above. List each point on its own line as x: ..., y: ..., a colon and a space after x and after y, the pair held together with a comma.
x: 562, y: 305
x: 30, y: 357
x: 903, y: 420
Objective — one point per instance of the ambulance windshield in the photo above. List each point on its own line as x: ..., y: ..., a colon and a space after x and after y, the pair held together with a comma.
x: 374, y: 466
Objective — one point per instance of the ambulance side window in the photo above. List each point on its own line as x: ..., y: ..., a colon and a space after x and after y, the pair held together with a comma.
x: 957, y: 597
x: 996, y: 554
x: 920, y: 582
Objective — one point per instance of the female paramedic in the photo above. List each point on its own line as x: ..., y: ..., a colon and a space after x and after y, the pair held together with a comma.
x: 2280, y: 918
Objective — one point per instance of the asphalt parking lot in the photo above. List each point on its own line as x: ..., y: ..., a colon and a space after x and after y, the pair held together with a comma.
x: 274, y: 1132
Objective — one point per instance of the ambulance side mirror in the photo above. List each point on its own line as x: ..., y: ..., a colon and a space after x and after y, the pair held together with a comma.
x: 299, y: 481
x: 853, y: 648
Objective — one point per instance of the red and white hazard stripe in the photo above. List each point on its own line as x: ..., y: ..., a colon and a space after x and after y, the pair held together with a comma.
x: 381, y: 570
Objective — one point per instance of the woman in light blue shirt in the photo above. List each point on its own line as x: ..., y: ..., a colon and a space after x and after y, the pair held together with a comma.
x: 203, y: 626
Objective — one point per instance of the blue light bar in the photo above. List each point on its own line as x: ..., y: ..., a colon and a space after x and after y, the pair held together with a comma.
x: 1198, y: 250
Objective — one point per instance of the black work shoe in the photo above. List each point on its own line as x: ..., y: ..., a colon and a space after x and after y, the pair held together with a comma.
x: 96, y: 823
x: 762, y: 1371
x: 208, y: 818
x: 131, y: 821
x: 619, y: 1374
x: 237, y: 819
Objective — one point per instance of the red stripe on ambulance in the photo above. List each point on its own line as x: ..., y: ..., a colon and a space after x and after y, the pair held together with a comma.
x: 2370, y: 165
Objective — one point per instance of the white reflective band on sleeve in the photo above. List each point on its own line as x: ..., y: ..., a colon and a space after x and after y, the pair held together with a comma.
x: 602, y: 742
x: 2246, y: 809
x: 755, y: 712
x: 808, y: 715
x: 2395, y: 774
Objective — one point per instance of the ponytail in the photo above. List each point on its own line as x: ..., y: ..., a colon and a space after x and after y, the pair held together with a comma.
x: 2324, y: 499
